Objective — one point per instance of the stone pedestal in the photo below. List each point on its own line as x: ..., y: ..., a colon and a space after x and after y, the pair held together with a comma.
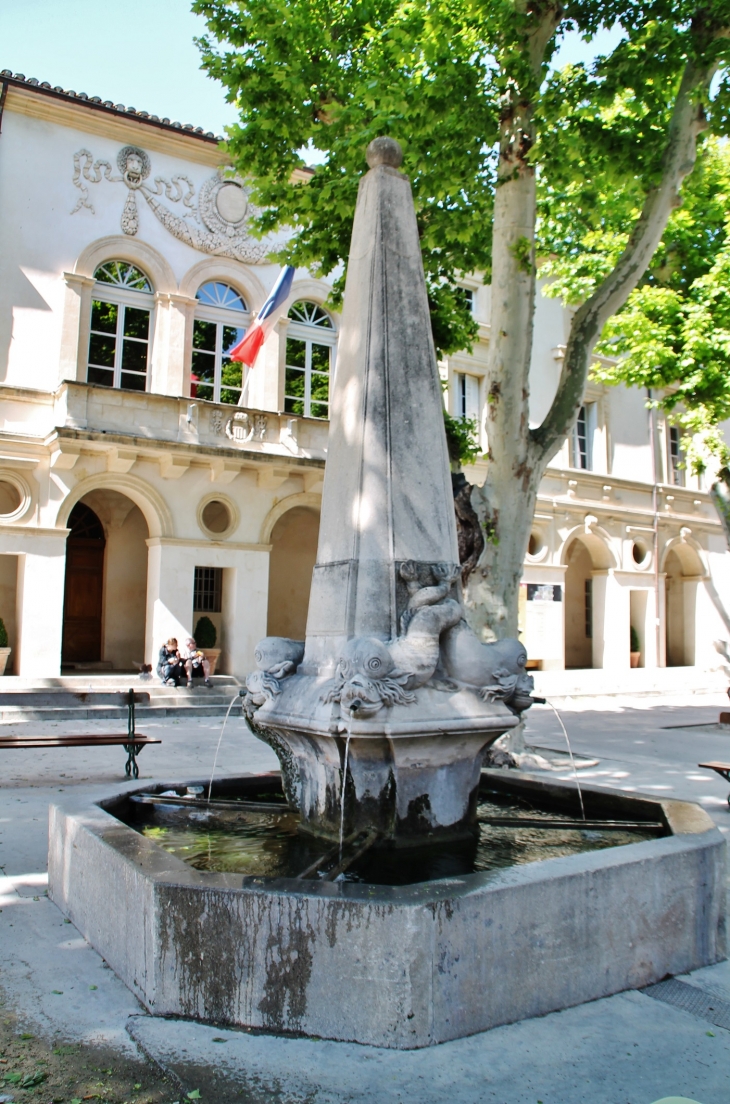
x: 412, y: 772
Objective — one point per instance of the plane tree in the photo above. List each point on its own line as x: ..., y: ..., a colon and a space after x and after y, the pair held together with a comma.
x: 511, y: 160
x: 673, y: 335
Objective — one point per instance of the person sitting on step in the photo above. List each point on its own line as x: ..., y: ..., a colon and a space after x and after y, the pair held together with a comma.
x: 196, y: 664
x: 170, y: 666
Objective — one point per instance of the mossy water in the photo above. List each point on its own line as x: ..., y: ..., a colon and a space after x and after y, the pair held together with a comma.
x: 260, y: 843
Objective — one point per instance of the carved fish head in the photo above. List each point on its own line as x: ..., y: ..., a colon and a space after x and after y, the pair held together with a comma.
x: 273, y: 651
x: 366, y: 656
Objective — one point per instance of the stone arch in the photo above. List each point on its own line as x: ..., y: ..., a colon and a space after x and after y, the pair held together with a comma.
x: 688, y: 552
x: 106, y: 579
x: 293, y: 536
x: 598, y: 543
x: 121, y: 247
x: 683, y: 567
x: 585, y: 551
x: 308, y: 499
x: 228, y: 272
x: 154, y: 508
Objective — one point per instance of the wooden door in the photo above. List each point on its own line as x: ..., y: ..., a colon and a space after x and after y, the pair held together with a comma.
x: 82, y: 605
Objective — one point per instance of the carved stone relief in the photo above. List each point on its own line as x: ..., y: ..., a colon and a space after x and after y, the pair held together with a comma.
x: 216, y: 223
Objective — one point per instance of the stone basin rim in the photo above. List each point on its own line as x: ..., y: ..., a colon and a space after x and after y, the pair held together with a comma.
x: 687, y: 824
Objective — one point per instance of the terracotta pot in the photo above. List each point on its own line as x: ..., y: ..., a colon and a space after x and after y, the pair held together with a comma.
x: 212, y: 655
x: 4, y: 657
x: 634, y: 658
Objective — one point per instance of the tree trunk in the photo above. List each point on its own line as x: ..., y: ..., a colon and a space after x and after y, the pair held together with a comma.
x: 518, y: 456
x: 720, y: 494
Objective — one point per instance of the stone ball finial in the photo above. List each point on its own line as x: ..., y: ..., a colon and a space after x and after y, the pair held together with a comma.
x: 384, y: 151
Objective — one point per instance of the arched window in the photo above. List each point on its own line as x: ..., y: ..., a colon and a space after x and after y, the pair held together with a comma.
x: 221, y: 318
x: 119, y: 342
x: 310, y: 347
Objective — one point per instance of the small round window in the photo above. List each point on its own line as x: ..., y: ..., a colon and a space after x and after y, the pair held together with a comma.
x: 535, y: 544
x: 10, y: 498
x: 216, y: 516
x: 640, y: 553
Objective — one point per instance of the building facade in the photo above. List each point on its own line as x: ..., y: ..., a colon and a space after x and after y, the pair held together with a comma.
x: 138, y: 494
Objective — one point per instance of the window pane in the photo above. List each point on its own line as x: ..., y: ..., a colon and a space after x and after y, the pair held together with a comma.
x: 136, y: 323
x: 104, y: 316
x: 320, y: 387
x: 296, y: 352
x: 204, y: 335
x: 231, y: 336
x: 204, y: 366
x: 132, y: 382
x: 204, y: 370
x: 293, y: 406
x: 217, y: 294
x: 231, y: 374
x: 122, y: 274
x: 311, y: 314
x: 294, y: 383
x: 320, y: 410
x: 134, y: 356
x: 101, y: 350
x: 320, y: 358
x: 101, y: 376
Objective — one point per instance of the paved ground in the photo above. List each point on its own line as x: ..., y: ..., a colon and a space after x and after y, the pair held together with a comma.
x: 628, y: 1049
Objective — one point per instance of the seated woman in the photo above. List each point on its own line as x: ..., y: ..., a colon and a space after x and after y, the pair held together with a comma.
x: 170, y: 666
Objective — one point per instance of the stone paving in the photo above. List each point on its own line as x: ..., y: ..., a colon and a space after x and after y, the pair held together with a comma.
x: 628, y: 1048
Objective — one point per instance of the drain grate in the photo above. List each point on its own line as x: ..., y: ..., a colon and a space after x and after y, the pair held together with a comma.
x: 690, y: 999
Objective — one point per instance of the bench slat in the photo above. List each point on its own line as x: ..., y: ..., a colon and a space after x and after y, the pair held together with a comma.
x: 75, y: 741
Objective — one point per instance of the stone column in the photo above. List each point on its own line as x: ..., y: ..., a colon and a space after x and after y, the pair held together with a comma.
x: 39, y: 607
x: 75, y: 326
x: 611, y: 622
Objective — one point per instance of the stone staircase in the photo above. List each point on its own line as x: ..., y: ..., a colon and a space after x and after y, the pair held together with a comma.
x: 96, y: 697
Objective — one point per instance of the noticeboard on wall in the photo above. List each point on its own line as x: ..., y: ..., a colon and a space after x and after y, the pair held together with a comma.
x: 541, y: 620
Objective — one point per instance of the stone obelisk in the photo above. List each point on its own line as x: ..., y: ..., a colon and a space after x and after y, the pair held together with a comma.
x: 387, y: 490
x: 391, y: 697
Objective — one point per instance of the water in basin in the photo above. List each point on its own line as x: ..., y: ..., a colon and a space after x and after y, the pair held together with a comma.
x: 261, y: 843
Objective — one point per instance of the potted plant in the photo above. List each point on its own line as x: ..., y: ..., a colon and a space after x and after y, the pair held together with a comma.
x: 205, y: 637
x: 4, y: 649
x: 635, y: 648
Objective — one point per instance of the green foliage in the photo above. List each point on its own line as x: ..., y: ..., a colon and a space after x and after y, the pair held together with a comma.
x: 634, y: 642
x: 324, y: 77
x: 673, y: 335
x: 461, y: 439
x: 205, y: 633
x: 3, y: 634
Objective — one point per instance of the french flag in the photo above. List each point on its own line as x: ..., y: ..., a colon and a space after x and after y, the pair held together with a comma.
x: 248, y: 347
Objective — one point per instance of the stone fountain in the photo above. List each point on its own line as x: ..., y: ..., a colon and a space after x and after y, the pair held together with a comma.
x: 392, y: 696
x: 380, y: 721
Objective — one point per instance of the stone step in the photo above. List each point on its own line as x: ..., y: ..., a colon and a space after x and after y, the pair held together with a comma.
x: 72, y: 698
x: 115, y: 681
x: 190, y: 713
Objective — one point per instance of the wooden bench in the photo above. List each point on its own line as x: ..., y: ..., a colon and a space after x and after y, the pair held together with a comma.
x: 132, y: 741
x: 723, y: 769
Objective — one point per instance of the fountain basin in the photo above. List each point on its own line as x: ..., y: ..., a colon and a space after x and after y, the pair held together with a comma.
x: 405, y: 966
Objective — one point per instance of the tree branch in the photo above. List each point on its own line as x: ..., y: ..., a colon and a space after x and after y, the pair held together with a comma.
x: 686, y: 124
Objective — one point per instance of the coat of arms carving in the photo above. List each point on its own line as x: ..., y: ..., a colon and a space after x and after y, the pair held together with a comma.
x: 216, y: 221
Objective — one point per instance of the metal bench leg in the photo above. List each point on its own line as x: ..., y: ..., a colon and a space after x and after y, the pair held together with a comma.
x: 131, y: 769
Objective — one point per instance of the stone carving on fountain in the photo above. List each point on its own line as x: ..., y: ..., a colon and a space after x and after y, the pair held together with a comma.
x: 390, y: 680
